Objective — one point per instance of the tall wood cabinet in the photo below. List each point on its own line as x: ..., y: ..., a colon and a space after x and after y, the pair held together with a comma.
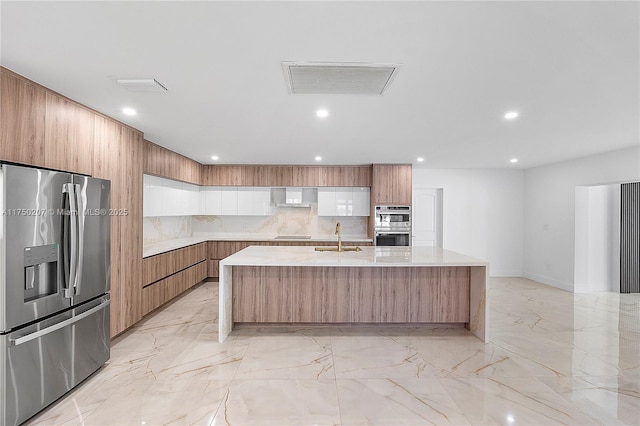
x: 391, y: 184
x: 42, y: 128
x: 118, y: 156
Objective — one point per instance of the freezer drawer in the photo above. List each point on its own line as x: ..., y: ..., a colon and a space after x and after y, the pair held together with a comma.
x: 42, y: 362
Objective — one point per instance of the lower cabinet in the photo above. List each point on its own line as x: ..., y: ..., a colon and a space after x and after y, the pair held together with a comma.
x: 290, y: 294
x: 169, y: 274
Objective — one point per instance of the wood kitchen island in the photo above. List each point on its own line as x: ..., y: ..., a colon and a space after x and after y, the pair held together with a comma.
x: 391, y: 285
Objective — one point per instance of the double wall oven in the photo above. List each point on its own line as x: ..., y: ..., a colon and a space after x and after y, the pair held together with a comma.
x: 392, y: 226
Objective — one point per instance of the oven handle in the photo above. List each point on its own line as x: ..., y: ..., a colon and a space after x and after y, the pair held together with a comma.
x: 393, y: 233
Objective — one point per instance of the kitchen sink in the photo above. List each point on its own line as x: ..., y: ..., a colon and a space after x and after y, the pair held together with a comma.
x: 293, y: 237
x: 332, y: 248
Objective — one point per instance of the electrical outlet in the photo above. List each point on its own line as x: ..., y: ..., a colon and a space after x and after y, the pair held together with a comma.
x: 547, y: 266
x: 545, y: 227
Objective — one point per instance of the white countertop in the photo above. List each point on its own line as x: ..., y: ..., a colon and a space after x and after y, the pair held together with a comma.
x: 369, y: 256
x: 199, y: 237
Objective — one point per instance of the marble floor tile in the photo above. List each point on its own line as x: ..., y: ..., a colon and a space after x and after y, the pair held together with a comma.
x: 161, y: 402
x: 291, y: 358
x: 279, y: 402
x: 397, y: 402
x: 525, y: 401
x: 376, y: 358
x: 553, y: 358
x: 610, y: 400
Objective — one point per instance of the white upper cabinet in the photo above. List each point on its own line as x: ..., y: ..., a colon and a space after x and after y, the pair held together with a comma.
x: 326, y: 201
x: 193, y: 198
x: 361, y: 201
x: 212, y: 201
x: 245, y: 201
x: 261, y: 201
x: 236, y: 201
x: 166, y: 197
x: 343, y: 201
x: 152, y: 196
x: 229, y: 200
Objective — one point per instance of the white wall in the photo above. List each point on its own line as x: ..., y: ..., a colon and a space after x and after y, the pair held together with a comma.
x: 597, y: 230
x: 482, y: 214
x: 549, y: 206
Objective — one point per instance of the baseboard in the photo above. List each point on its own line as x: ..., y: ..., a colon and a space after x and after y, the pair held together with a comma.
x: 549, y: 281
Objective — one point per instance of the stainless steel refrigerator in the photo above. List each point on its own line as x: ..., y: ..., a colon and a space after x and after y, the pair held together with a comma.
x: 54, y: 285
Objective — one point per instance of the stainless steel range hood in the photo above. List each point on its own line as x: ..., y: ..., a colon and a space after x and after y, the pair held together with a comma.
x: 294, y: 198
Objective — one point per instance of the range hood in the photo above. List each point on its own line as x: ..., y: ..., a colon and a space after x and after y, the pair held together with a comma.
x: 293, y: 198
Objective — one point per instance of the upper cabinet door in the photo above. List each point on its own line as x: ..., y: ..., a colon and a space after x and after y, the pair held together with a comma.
x: 152, y: 196
x: 344, y: 201
x: 245, y: 201
x: 193, y: 198
x: 361, y: 201
x: 212, y: 201
x: 326, y: 201
x: 229, y: 200
x: 261, y: 201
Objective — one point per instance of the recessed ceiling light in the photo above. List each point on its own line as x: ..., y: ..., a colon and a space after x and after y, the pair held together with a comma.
x: 129, y: 111
x: 420, y: 159
x: 513, y: 160
x: 318, y: 158
x: 511, y: 115
x: 322, y: 113
x: 215, y: 157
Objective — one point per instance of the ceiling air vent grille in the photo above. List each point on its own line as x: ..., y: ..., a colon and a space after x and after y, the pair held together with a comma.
x: 141, y: 84
x: 338, y: 78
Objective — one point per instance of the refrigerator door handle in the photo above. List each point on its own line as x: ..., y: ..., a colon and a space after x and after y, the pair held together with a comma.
x: 80, y: 225
x: 58, y: 326
x: 69, y: 189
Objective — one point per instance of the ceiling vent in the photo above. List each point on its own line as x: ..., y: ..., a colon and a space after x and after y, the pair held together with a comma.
x: 338, y: 78
x: 141, y: 84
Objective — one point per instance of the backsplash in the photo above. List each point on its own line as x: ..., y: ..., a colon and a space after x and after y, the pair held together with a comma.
x: 284, y: 221
x: 163, y: 228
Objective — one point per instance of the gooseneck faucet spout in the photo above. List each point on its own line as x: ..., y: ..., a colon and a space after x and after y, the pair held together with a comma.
x: 338, y: 227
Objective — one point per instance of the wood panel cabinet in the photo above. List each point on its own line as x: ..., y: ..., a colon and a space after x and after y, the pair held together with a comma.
x: 391, y: 184
x: 263, y: 175
x: 305, y: 176
x: 163, y: 162
x: 69, y: 135
x: 351, y: 294
x: 23, y: 106
x: 118, y: 156
x: 169, y: 274
x: 43, y: 128
x: 345, y: 176
x: 223, y: 175
x: 265, y: 295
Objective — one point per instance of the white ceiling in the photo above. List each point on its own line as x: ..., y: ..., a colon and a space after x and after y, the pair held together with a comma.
x: 571, y: 69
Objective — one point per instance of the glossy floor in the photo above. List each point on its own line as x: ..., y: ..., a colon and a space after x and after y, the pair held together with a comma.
x: 554, y: 358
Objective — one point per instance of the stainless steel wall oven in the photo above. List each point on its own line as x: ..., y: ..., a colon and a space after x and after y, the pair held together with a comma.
x: 392, y: 226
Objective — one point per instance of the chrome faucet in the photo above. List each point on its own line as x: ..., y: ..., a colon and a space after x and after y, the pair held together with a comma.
x: 338, y: 227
